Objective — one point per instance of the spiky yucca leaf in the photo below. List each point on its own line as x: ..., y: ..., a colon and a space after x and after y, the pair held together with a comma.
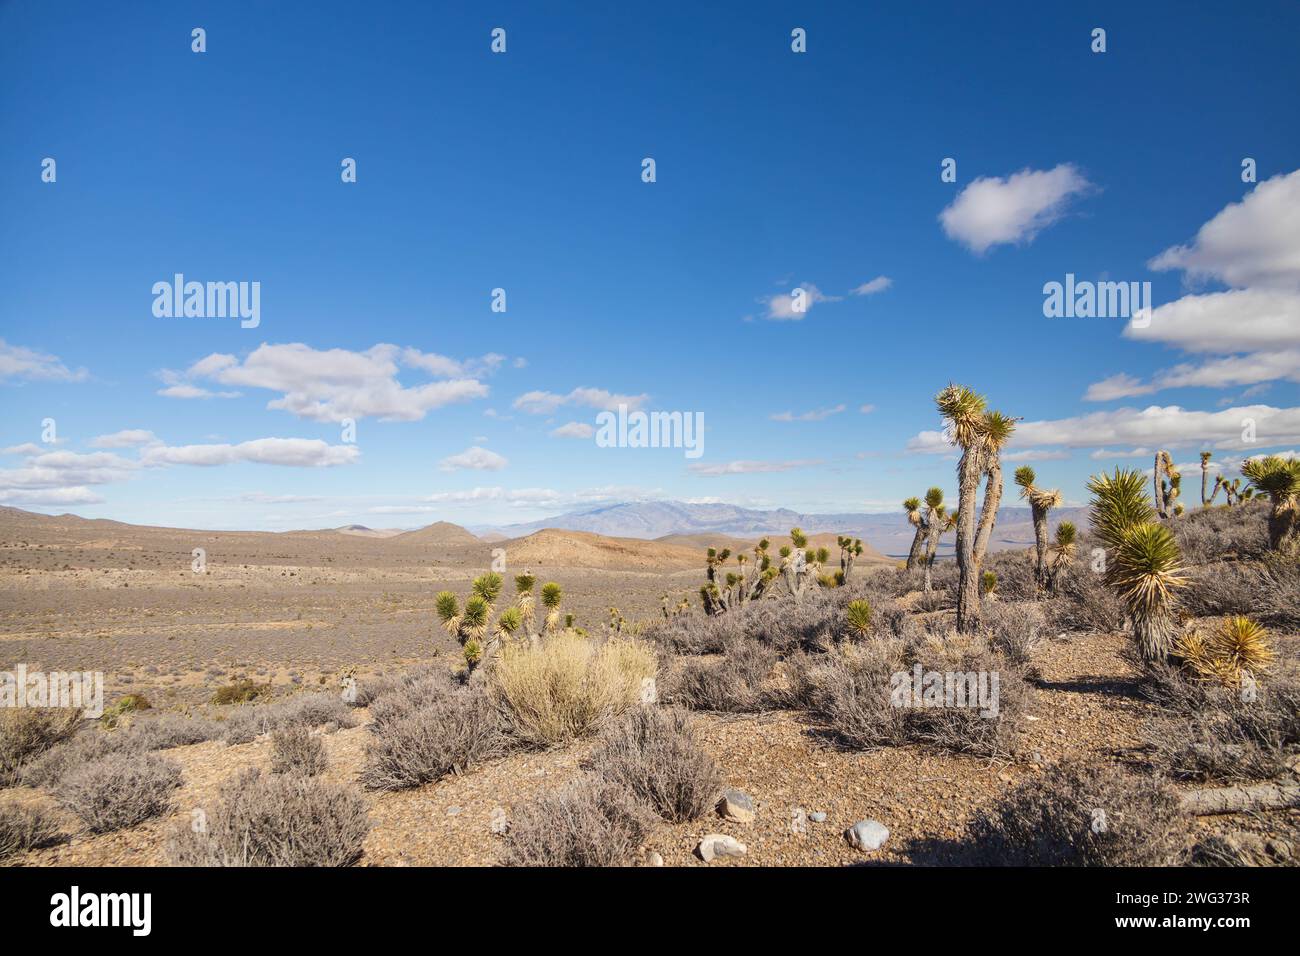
x: 798, y: 538
x: 474, y: 619
x: 1066, y: 534
x: 509, y: 621
x: 857, y: 615
x: 1244, y: 644
x: 448, y: 609
x: 963, y: 409
x: 1119, y: 502
x: 473, y: 652
x: 1025, y: 477
x: 488, y: 586
x: 934, y: 497
x: 997, y: 429
x: 1275, y: 476
x: 551, y: 594
x: 1146, y: 569
x: 988, y: 582
x: 524, y: 583
x: 823, y: 555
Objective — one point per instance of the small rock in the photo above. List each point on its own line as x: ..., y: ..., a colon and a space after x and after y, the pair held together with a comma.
x: 452, y: 811
x: 1006, y: 777
x: 715, y: 845
x: 817, y: 816
x: 653, y: 859
x: 736, y: 806
x: 499, y: 823
x: 649, y: 691
x: 867, y: 835
x: 1279, y: 850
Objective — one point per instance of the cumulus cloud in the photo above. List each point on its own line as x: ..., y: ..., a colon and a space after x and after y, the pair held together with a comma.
x: 816, y: 415
x: 23, y: 364
x: 61, y: 477
x: 574, y: 430
x: 291, y: 452
x: 545, y: 403
x: 474, y: 458
x: 127, y: 438
x: 993, y: 211
x: 333, y: 384
x: 753, y: 467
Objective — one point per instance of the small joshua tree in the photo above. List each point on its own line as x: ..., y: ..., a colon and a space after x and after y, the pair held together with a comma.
x: 850, y: 548
x: 1168, y: 484
x: 935, y: 520
x: 1062, y: 552
x: 524, y: 599
x: 473, y: 626
x: 1205, y: 478
x: 857, y: 616
x: 725, y: 589
x: 799, y: 564
x: 1144, y: 565
x: 1279, y: 478
x: 1040, y: 503
x: 551, y: 595
x: 913, y: 508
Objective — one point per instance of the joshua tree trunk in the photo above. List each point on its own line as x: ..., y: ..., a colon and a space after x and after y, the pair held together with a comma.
x: 934, y: 528
x: 918, y: 541
x: 1040, y: 541
x: 1284, y: 527
x: 969, y: 472
x: 1154, y: 634
x: 1205, y: 479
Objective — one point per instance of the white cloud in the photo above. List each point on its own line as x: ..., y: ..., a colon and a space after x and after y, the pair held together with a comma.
x: 993, y: 211
x: 781, y: 307
x: 1254, y: 243
x: 290, y: 452
x: 574, y: 430
x: 333, y: 384
x: 193, y: 391
x: 1122, y: 385
x: 60, y: 477
x: 544, y: 403
x: 867, y: 409
x: 23, y: 364
x: 878, y: 284
x: 1240, y: 320
x: 753, y: 467
x: 816, y: 415
x: 127, y: 438
x: 1036, y: 454
x: 473, y: 458
x: 51, y: 497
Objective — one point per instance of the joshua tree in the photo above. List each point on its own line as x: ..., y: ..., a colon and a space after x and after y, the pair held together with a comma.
x: 1040, y: 503
x: 800, y: 564
x: 551, y: 594
x: 1279, y: 478
x: 726, y: 589
x: 1062, y: 550
x: 850, y: 548
x: 913, y: 508
x: 857, y: 615
x: 1168, y: 484
x: 472, y: 625
x: 524, y: 599
x: 980, y: 434
x: 1144, y: 566
x: 935, y: 521
x: 1205, y: 479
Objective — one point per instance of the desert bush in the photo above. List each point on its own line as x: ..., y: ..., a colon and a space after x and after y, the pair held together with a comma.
x: 290, y: 820
x: 85, y: 747
x: 430, y: 677
x: 240, y: 692
x: 164, y: 731
x: 28, y: 732
x: 411, y: 692
x: 1015, y: 574
x: 1014, y: 630
x: 119, y: 790
x: 301, y: 710
x: 590, y: 822
x: 972, y: 728
x: 731, y: 685
x: 24, y: 827
x: 295, y: 750
x: 1212, y: 534
x: 1083, y: 815
x: 445, y: 735
x: 1214, y: 735
x: 566, y: 686
x: 129, y: 704
x: 1082, y: 602
x: 1268, y: 590
x: 653, y: 754
x: 847, y: 691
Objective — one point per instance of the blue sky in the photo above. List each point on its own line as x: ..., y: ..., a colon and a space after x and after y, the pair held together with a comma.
x: 775, y: 170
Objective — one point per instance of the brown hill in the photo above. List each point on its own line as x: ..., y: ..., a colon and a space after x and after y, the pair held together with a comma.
x: 440, y: 534
x: 582, y: 549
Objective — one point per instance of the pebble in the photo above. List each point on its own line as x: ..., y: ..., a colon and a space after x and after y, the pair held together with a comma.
x: 715, y: 845
x: 736, y: 806
x: 817, y: 816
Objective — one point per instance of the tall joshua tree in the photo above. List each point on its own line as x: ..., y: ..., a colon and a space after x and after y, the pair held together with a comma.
x: 1279, y: 478
x: 850, y: 548
x: 724, y: 589
x: 1168, y: 484
x: 1205, y: 479
x: 1144, y: 565
x: 939, y: 521
x: 913, y: 508
x: 551, y: 595
x: 524, y: 599
x: 1062, y: 549
x: 980, y: 434
x: 1040, y: 503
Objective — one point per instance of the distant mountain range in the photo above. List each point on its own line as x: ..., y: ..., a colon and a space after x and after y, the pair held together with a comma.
x: 889, y: 533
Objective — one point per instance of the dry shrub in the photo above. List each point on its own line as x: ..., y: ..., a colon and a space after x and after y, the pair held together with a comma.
x: 654, y: 755
x: 566, y: 686
x: 302, y: 710
x: 847, y: 691
x: 418, y: 683
x: 1083, y: 815
x: 411, y: 692
x: 28, y: 732
x: 445, y: 735
x: 590, y: 822
x: 967, y: 729
x: 1208, y: 535
x: 1015, y: 571
x: 119, y: 790
x: 1082, y: 602
x: 164, y: 731
x: 24, y: 827
x: 1267, y: 590
x: 295, y: 750
x: 240, y: 692
x: 288, y: 820
x: 160, y: 732
x: 1214, y: 735
x: 1013, y: 629
x: 732, y: 685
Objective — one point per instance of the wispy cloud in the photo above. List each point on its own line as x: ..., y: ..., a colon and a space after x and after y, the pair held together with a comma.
x: 474, y: 458
x: 753, y: 467
x: 545, y: 403
x: 23, y: 364
x: 816, y: 415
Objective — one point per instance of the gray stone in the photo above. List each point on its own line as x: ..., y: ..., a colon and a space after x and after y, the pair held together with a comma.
x: 817, y: 816
x: 867, y: 835
x: 499, y: 822
x: 653, y: 859
x: 715, y: 845
x: 736, y: 806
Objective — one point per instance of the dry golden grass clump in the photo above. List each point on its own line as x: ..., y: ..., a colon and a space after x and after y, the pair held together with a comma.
x: 566, y: 685
x: 28, y: 732
x: 1238, y: 647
